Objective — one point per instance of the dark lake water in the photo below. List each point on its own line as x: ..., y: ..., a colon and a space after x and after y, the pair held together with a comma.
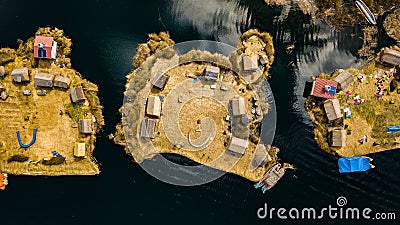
x: 105, y: 34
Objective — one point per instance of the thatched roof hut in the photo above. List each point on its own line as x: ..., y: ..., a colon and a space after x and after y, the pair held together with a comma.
x: 250, y: 64
x: 2, y: 71
x: 338, y: 137
x: 153, y: 107
x: 85, y: 126
x: 212, y: 72
x: 160, y: 80
x: 20, y: 75
x: 148, y: 127
x: 260, y: 160
x: 332, y: 109
x: 77, y: 95
x: 345, y: 79
x: 238, y: 106
x: 80, y: 150
x: 62, y: 82
x: 43, y: 80
x: 319, y: 88
x: 390, y: 57
x: 237, y: 145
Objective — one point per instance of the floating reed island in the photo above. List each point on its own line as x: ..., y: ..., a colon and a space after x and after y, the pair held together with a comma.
x: 203, y: 106
x: 49, y: 114
x: 356, y: 111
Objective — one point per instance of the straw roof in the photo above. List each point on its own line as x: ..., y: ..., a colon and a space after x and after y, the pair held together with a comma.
x: 339, y: 137
x: 153, y: 106
x: 212, y: 72
x: 20, y: 75
x: 77, y: 94
x: 62, y: 82
x: 2, y: 71
x: 250, y: 63
x: 238, y: 106
x: 147, y: 129
x: 238, y: 145
x: 332, y: 109
x: 85, y: 126
x: 160, y: 80
x: 344, y: 79
x: 390, y: 57
x: 43, y: 79
x: 80, y: 150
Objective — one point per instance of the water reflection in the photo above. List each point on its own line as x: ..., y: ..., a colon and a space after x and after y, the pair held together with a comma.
x: 216, y: 19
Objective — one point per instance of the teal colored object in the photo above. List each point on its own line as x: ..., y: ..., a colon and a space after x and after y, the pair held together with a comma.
x: 398, y: 90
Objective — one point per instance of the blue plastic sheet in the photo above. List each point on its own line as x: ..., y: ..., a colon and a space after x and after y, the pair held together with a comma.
x: 392, y: 129
x: 354, y: 164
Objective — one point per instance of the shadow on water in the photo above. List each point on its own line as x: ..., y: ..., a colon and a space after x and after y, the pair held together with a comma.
x: 105, y: 32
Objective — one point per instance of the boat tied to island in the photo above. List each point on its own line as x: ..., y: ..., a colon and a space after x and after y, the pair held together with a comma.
x: 271, y: 178
x: 366, y: 11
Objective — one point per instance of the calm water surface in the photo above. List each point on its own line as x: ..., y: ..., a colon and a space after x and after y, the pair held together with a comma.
x: 105, y: 34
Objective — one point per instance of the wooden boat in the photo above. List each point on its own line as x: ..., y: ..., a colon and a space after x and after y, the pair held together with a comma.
x: 271, y: 181
x: 271, y: 178
x: 366, y: 11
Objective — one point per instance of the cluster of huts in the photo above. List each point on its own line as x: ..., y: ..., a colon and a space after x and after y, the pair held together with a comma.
x: 45, y: 48
x: 326, y: 89
x: 153, y: 107
x: 44, y: 80
x: 236, y: 145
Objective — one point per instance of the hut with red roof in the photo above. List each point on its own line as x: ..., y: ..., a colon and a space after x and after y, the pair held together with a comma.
x: 324, y: 88
x: 45, y: 48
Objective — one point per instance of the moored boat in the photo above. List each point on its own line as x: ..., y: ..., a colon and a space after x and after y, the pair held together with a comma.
x: 366, y: 11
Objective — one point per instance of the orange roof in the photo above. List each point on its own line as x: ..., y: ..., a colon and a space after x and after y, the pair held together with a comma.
x: 47, y: 41
x: 318, y: 88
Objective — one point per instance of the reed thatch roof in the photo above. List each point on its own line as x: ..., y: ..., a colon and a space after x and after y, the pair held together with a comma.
x: 160, y: 80
x: 153, y: 107
x: 345, y: 79
x: 2, y: 71
x: 339, y: 137
x: 62, y: 82
x: 148, y: 128
x: 43, y: 79
x: 85, y: 126
x: 212, y: 72
x: 390, y: 57
x: 80, y: 150
x: 332, y: 109
x: 237, y: 145
x: 238, y: 106
x: 20, y: 75
x: 77, y: 94
x: 250, y: 63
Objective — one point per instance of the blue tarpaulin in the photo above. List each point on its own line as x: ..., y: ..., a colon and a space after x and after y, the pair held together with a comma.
x: 393, y: 129
x: 354, y: 164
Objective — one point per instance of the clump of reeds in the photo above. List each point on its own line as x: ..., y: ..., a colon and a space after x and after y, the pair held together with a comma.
x: 53, y: 161
x: 155, y: 43
x: 205, y: 56
x: 7, y: 55
x: 18, y: 158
